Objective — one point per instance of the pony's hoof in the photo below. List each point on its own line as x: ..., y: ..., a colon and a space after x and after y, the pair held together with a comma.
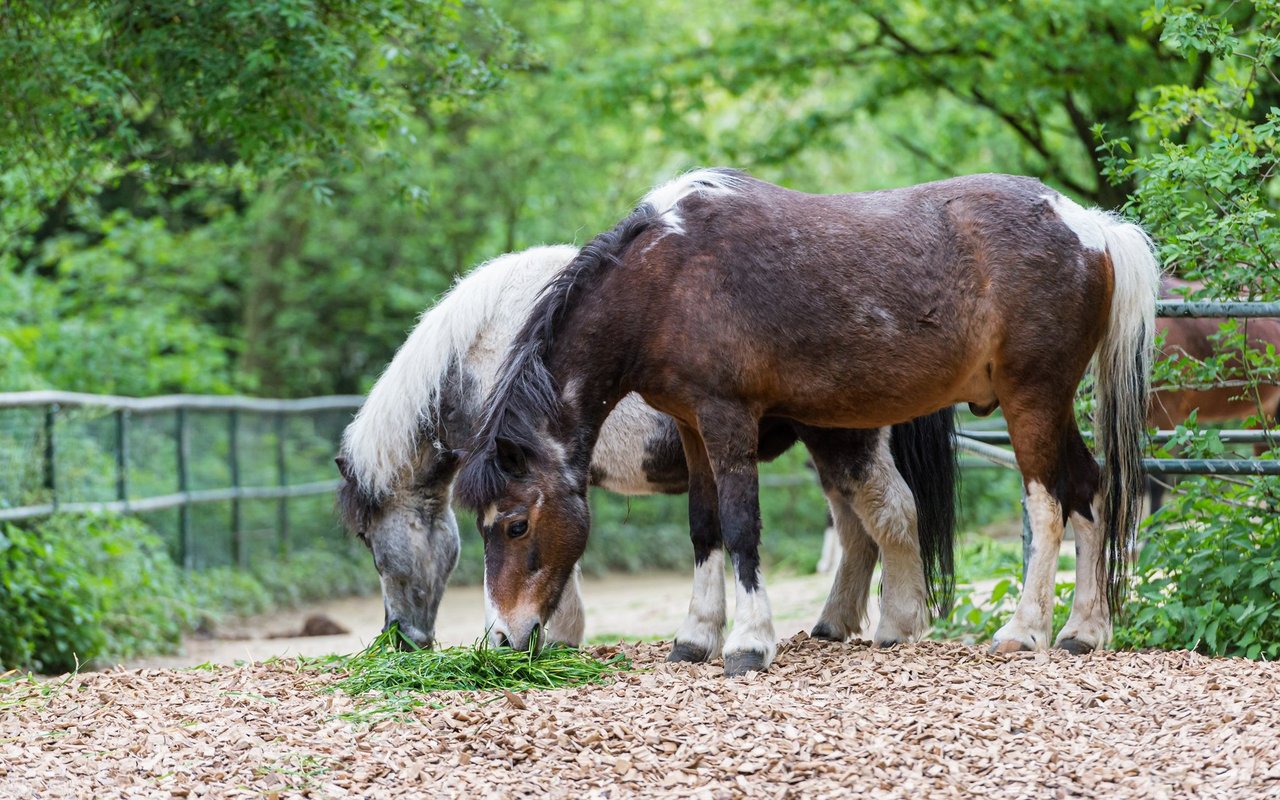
x: 825, y: 632
x: 682, y: 652
x: 1075, y: 647
x: 1011, y: 646
x: 885, y: 644
x: 736, y: 664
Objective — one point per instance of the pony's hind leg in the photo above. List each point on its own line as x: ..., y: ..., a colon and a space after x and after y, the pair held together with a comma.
x: 701, y: 634
x: 1089, y: 626
x: 729, y: 435
x: 859, y: 475
x: 845, y: 611
x: 841, y: 458
x: 888, y: 510
x: 1061, y: 480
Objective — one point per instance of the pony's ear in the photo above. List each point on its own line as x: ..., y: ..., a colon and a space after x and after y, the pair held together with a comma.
x: 344, y: 468
x: 511, y: 458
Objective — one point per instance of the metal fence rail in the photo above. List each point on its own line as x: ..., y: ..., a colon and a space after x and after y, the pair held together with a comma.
x: 125, y: 413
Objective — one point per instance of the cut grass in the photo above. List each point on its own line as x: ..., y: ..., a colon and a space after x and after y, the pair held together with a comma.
x: 398, y: 678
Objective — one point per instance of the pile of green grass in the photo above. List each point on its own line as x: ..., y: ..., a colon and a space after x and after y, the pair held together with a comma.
x: 385, y: 669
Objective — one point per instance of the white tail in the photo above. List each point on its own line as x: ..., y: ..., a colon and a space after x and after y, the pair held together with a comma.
x: 1122, y: 389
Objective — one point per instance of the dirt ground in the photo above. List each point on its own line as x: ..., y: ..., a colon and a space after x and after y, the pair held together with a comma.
x: 619, y: 607
x: 926, y: 720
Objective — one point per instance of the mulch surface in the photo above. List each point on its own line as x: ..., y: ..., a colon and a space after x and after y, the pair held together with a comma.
x: 921, y: 721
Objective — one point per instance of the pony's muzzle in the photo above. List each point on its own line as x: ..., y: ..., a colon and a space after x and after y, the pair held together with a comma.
x: 410, y: 637
x: 524, y: 637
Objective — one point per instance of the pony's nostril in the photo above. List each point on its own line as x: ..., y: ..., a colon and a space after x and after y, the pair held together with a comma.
x: 503, y: 641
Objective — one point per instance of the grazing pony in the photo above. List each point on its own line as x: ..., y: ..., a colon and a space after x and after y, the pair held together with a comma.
x: 398, y: 461
x: 1192, y: 338
x: 724, y: 301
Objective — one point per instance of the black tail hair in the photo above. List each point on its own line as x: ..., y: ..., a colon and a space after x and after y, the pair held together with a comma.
x: 924, y: 451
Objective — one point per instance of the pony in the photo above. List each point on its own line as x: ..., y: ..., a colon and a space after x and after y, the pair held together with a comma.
x: 398, y: 460
x: 1192, y: 338
x: 725, y: 301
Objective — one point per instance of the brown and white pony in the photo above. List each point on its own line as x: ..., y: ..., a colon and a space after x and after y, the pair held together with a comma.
x: 398, y: 463
x: 1192, y: 338
x: 724, y: 301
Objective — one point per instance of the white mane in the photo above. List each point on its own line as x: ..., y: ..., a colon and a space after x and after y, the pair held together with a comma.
x: 666, y: 197
x: 382, y: 440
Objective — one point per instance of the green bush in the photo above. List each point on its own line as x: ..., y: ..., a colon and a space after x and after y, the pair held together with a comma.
x: 47, y: 615
x: 1206, y: 578
x: 974, y: 619
x: 76, y: 589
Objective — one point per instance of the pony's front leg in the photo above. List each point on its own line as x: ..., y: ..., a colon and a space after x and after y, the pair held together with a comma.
x: 569, y: 620
x: 700, y: 636
x: 729, y: 436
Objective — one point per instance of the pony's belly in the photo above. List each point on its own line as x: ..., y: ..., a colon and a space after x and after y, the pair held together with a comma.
x: 876, y: 398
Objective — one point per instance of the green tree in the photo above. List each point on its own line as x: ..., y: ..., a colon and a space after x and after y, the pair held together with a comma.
x: 1023, y: 85
x: 137, y: 134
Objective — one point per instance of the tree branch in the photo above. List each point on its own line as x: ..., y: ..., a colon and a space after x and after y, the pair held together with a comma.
x: 919, y: 152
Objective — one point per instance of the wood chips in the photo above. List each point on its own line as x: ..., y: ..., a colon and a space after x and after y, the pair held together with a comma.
x: 921, y: 721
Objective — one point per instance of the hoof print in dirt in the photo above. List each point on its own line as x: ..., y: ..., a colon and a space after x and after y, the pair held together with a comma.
x: 736, y: 664
x: 1074, y: 646
x: 682, y: 652
x: 826, y: 633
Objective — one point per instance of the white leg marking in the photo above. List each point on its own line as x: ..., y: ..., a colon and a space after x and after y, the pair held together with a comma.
x: 887, y: 509
x: 1032, y: 622
x: 703, y: 627
x: 752, y: 623
x: 569, y: 620
x: 1090, y: 620
x: 845, y: 611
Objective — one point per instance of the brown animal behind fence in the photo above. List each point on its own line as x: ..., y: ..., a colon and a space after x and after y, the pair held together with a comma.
x: 1193, y: 338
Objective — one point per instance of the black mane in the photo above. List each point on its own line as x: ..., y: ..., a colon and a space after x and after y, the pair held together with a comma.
x: 526, y: 394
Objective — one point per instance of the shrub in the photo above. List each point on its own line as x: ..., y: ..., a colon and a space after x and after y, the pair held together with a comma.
x: 76, y: 589
x: 1206, y: 577
x: 975, y: 618
x: 47, y: 615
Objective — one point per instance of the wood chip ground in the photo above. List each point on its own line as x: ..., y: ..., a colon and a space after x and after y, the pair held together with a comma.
x: 922, y: 721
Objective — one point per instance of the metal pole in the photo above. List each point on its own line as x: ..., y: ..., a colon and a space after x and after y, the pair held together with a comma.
x: 1239, y: 309
x: 238, y: 554
x: 282, y: 478
x: 51, y: 454
x: 186, y: 548
x: 122, y: 454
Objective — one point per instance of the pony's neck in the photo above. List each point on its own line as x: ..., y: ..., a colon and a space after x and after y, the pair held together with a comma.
x: 587, y: 397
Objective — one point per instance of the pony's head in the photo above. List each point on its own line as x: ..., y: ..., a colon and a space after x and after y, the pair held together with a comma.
x: 534, y: 517
x: 413, y: 535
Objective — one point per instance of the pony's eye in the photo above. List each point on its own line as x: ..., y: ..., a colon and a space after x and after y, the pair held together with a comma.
x: 518, y: 528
